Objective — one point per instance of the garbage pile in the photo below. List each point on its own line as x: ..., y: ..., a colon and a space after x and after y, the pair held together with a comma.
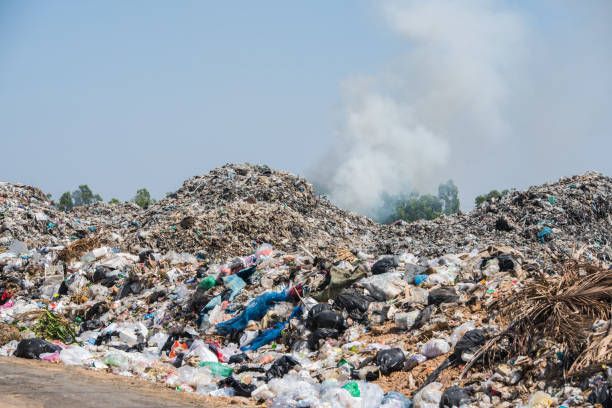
x: 546, y: 221
x: 27, y: 215
x: 325, y: 318
x: 235, y: 207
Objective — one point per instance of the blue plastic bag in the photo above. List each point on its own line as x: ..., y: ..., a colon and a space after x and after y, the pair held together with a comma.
x: 269, y: 335
x: 254, y: 311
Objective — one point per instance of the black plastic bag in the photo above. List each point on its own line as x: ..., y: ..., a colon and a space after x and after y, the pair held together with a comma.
x: 319, y: 334
x: 96, y: 311
x: 471, y: 341
x: 326, y: 319
x: 453, y: 397
x: 242, y: 389
x: 423, y: 317
x: 385, y: 265
x: 390, y: 360
x: 506, y: 263
x: 442, y: 295
x: 313, y: 312
x: 281, y: 367
x: 238, y: 358
x: 33, y: 348
x: 355, y: 303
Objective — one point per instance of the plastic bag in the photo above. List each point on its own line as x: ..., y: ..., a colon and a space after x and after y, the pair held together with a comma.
x: 320, y: 334
x: 390, y: 360
x: 394, y: 399
x: 267, y: 336
x: 355, y: 303
x: 460, y: 331
x: 469, y: 343
x: 326, y: 319
x: 75, y: 355
x: 281, y: 367
x: 117, y: 359
x: 434, y: 348
x: 405, y: 320
x: 384, y: 265
x: 254, y: 311
x: 240, y: 389
x: 33, y: 348
x: 385, y: 286
x: 442, y: 295
x: 429, y: 396
x: 454, y: 397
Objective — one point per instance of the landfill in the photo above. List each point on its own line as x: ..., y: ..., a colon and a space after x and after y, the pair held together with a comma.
x: 246, y: 285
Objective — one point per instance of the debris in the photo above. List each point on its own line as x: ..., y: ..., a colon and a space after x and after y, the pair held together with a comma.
x: 244, y: 282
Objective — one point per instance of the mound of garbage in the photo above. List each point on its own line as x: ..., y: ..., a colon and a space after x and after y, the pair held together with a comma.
x: 546, y: 221
x: 234, y: 208
x: 245, y: 285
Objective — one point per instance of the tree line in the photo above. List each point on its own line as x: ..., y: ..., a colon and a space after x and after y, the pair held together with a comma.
x: 415, y: 206
x: 83, y: 195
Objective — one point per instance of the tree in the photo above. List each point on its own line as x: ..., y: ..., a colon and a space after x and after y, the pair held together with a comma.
x: 143, y: 198
x: 84, y: 196
x: 448, y: 193
x: 65, y: 202
x: 114, y: 201
x: 416, y: 206
x: 491, y: 195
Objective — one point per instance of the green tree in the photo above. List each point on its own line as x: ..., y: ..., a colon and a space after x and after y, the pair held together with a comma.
x: 143, y: 198
x: 114, y: 201
x: 491, y: 195
x: 419, y: 207
x: 65, y: 202
x: 448, y: 193
x: 84, y: 196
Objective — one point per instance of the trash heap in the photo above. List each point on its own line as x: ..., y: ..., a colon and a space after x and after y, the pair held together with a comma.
x: 27, y: 215
x: 323, y: 319
x: 236, y: 207
x: 546, y: 221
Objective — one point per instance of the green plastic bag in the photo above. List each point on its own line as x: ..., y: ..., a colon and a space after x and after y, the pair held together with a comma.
x: 217, y: 369
x: 353, y: 388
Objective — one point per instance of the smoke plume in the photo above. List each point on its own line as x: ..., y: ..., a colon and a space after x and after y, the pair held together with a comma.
x: 457, y: 103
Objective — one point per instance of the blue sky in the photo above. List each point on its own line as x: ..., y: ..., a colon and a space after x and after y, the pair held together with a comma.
x: 127, y: 94
x: 122, y: 95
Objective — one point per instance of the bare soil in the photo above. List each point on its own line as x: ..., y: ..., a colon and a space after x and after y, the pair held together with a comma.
x: 38, y: 384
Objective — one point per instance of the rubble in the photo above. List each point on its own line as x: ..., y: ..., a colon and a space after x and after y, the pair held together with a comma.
x: 245, y: 284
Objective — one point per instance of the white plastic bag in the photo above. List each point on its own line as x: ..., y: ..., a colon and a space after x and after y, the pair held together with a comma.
x: 434, y: 348
x: 75, y: 355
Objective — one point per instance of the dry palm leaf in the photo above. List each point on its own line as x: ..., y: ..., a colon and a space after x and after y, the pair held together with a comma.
x: 561, y: 309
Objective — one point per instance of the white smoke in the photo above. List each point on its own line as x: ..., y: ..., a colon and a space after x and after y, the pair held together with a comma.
x: 399, y: 125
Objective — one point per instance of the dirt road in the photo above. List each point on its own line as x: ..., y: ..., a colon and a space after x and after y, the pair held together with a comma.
x: 37, y: 384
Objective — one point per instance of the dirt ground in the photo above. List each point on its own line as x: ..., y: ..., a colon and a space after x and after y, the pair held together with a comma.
x: 38, y: 384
